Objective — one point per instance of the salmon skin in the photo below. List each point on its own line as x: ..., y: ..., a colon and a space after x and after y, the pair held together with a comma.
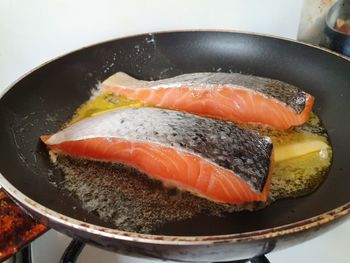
x: 211, y: 158
x: 229, y: 96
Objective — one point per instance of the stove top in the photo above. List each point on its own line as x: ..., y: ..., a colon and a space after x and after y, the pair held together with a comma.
x: 53, y: 244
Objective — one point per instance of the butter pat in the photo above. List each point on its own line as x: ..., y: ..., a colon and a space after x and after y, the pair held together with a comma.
x: 296, y: 149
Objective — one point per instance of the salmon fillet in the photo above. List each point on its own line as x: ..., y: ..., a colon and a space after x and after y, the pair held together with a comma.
x: 228, y: 96
x: 213, y: 159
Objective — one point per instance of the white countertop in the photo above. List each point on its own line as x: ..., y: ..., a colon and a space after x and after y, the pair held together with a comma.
x: 32, y: 32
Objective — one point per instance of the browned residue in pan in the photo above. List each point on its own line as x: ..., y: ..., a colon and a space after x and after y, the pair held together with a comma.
x: 16, y: 227
x: 128, y: 199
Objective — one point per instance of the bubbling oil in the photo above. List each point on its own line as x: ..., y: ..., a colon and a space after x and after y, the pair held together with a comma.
x: 302, y: 174
x: 291, y: 178
x: 123, y: 195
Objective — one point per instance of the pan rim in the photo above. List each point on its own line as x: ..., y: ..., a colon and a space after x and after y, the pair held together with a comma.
x: 283, y: 230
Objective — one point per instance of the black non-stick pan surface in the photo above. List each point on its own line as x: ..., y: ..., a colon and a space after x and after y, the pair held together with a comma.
x: 43, y: 100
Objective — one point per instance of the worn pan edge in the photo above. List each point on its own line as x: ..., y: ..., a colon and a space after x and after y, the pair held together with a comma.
x: 288, y: 229
x: 299, y: 226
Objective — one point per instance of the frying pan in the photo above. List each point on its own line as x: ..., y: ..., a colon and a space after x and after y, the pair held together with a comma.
x: 44, y: 99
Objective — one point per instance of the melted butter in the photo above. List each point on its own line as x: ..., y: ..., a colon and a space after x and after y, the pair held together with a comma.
x: 297, y: 173
x: 304, y: 171
x: 102, y: 103
x: 302, y: 174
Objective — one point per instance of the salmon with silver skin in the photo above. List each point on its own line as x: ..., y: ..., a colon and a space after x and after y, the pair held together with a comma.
x: 228, y: 96
x: 211, y: 158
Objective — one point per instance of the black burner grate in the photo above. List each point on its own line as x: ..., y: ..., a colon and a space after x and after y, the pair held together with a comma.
x: 74, y: 249
x: 72, y: 252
